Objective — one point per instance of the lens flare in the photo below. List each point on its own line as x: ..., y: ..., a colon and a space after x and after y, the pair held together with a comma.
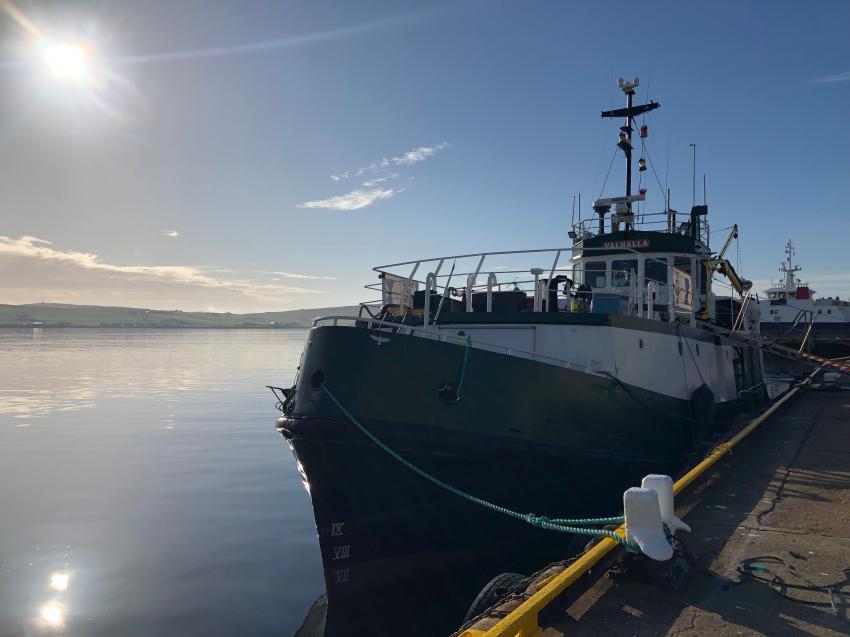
x: 67, y: 61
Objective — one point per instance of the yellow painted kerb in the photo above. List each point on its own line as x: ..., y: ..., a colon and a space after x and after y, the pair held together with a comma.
x: 523, y: 621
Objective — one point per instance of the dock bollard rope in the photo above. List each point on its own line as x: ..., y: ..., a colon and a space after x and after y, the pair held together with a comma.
x: 575, y: 526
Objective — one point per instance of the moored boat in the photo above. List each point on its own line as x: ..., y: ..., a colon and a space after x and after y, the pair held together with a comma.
x: 549, y: 386
x: 792, y: 314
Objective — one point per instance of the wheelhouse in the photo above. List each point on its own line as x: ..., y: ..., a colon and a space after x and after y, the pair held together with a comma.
x: 622, y: 261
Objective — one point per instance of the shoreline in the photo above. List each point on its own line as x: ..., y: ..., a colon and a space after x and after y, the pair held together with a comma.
x: 155, y: 327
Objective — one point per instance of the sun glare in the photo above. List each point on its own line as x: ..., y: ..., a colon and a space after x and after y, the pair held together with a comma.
x: 52, y: 615
x: 67, y: 61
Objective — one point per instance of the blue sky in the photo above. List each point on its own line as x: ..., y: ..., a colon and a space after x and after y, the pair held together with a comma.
x: 199, y: 161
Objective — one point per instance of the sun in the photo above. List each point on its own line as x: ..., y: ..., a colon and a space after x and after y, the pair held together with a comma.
x: 67, y: 61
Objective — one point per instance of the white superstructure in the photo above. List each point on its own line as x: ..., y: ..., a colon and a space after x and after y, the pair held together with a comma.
x: 791, y: 301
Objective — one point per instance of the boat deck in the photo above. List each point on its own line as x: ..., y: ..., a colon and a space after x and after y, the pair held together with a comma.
x: 785, y: 492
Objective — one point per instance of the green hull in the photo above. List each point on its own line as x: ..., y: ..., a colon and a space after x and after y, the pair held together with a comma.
x: 525, y: 435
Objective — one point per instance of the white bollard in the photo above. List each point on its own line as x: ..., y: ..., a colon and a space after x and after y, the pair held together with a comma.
x: 663, y: 486
x: 643, y: 523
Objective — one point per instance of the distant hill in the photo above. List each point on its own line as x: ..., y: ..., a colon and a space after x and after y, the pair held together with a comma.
x: 65, y: 315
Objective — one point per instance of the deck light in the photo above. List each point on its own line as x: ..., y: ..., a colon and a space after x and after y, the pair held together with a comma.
x: 641, y: 164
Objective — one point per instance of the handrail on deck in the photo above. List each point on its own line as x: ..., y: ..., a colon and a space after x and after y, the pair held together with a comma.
x: 523, y: 621
x: 587, y: 228
x: 384, y: 268
x: 633, y: 287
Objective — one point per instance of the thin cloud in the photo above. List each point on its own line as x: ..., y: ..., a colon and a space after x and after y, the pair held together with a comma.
x: 354, y: 200
x: 373, y: 168
x: 41, y: 250
x: 281, y: 43
x: 173, y: 234
x: 412, y: 156
x: 415, y: 155
x: 371, y: 183
x: 291, y: 275
x: 371, y: 191
x: 831, y: 79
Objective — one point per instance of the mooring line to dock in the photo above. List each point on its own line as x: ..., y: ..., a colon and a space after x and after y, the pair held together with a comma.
x: 523, y: 621
x: 575, y: 526
x: 467, y: 346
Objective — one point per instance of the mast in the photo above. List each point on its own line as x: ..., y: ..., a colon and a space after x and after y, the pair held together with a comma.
x: 626, y: 145
x: 790, y: 268
x: 625, y: 137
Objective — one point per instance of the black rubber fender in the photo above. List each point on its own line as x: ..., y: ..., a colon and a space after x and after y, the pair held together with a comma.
x: 494, y: 590
x: 702, y: 411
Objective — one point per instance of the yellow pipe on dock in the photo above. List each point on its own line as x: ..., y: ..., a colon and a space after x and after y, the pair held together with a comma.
x: 523, y: 620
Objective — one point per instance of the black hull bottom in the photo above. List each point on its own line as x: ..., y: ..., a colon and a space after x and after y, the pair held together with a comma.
x: 399, y: 551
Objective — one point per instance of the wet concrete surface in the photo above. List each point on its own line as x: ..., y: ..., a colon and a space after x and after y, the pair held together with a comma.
x: 782, y: 496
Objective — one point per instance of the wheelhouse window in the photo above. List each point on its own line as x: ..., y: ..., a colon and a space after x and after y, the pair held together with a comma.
x: 682, y: 264
x: 622, y: 271
x: 595, y: 274
x: 656, y: 269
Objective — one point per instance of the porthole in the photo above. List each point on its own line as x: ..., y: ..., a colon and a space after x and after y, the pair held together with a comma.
x: 680, y: 348
x: 640, y: 343
x: 697, y: 349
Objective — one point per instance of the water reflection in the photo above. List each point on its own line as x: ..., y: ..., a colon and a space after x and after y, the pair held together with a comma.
x: 52, y: 616
x: 74, y: 369
x: 59, y: 582
x: 147, y: 491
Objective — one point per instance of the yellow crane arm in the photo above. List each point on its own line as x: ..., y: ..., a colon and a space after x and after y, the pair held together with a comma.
x: 725, y: 268
x: 721, y: 265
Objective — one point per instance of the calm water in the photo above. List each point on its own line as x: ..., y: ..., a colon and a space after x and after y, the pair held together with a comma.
x: 145, y: 465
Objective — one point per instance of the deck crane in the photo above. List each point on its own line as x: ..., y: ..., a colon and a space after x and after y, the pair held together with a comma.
x: 721, y: 265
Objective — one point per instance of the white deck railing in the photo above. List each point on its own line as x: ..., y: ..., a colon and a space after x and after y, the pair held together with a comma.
x: 668, y: 222
x: 483, y: 274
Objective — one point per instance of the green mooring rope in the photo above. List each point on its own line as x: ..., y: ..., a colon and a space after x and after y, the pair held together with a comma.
x: 564, y: 525
x: 466, y: 348
x: 467, y: 345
